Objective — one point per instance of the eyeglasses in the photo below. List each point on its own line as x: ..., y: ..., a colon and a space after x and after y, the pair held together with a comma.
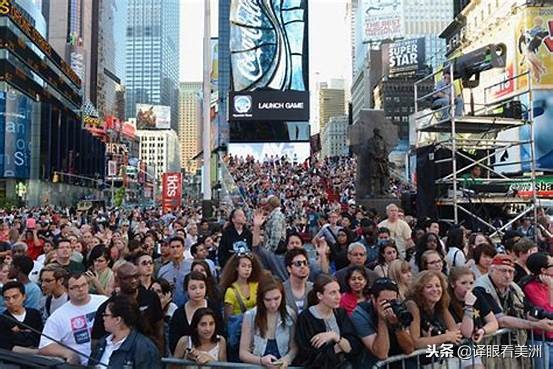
x: 78, y: 287
x: 434, y: 262
x: 147, y: 262
x: 299, y: 263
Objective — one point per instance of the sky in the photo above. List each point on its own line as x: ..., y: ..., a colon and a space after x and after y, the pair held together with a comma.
x: 328, y: 44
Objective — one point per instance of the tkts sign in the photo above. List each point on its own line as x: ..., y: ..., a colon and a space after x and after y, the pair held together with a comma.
x: 172, y: 191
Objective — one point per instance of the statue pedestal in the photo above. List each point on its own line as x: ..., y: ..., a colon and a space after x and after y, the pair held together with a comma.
x: 378, y: 203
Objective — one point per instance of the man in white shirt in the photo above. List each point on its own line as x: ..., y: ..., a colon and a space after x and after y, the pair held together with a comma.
x: 71, y: 324
x: 400, y: 231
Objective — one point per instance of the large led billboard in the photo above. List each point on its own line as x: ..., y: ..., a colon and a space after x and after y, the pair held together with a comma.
x: 153, y: 116
x: 15, y: 134
x: 269, y: 51
x: 297, y: 151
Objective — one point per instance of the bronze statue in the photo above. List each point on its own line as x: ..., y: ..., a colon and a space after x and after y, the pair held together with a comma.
x: 378, y: 165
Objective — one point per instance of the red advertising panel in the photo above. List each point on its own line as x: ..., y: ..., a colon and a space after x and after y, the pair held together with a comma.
x: 172, y: 191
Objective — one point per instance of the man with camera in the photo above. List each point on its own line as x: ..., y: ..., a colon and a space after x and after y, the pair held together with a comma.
x: 383, y: 324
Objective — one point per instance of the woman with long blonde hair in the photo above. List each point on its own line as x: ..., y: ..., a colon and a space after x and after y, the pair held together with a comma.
x: 400, y: 272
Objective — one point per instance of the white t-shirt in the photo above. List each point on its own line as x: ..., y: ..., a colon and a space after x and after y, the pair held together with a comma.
x: 72, y: 325
x: 400, y: 232
x: 455, y: 257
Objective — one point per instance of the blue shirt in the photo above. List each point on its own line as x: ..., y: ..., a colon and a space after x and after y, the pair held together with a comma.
x: 174, y: 274
x: 33, y: 295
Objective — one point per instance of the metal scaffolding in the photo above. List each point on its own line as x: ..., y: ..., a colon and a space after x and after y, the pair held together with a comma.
x: 479, y: 131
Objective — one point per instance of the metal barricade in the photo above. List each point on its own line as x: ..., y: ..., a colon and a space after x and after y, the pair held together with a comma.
x: 172, y: 363
x: 500, y: 350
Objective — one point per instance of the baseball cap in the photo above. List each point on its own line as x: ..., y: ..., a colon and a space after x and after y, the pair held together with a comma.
x: 502, y: 259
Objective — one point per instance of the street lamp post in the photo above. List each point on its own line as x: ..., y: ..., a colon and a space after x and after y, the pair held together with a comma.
x: 206, y: 142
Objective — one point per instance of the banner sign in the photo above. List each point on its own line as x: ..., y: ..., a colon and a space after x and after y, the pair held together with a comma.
x: 269, y: 105
x: 382, y: 20
x: 171, y: 191
x: 544, y: 186
x: 405, y: 57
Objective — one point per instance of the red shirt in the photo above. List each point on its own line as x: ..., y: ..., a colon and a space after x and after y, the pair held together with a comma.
x: 538, y: 294
x: 32, y: 250
x: 348, y: 302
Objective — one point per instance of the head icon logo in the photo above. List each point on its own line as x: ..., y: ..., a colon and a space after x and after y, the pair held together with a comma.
x: 242, y: 104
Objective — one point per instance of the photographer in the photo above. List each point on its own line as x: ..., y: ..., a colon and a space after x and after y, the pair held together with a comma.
x: 383, y: 323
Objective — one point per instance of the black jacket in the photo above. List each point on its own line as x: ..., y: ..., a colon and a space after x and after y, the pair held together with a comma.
x: 228, y: 238
x: 325, y: 357
x: 24, y: 337
x: 137, y: 350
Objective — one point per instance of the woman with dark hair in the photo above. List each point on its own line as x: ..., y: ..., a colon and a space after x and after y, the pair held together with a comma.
x: 101, y: 278
x: 213, y: 292
x: 456, y: 247
x: 339, y: 250
x: 163, y: 290
x: 356, y: 288
x: 429, y: 241
x: 268, y: 330
x: 539, y: 292
x: 203, y: 344
x: 127, y: 347
x: 145, y: 266
x: 477, y: 238
x: 239, y: 280
x: 428, y: 302
x: 195, y: 285
x: 325, y: 334
x: 482, y: 255
x: 387, y: 252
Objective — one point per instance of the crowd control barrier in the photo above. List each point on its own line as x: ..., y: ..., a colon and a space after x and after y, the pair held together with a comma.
x: 496, y: 351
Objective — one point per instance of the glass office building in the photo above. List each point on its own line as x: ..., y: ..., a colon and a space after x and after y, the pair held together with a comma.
x: 152, y: 55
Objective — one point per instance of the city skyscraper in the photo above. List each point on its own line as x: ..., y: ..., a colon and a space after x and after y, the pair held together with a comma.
x: 190, y: 113
x: 332, y: 101
x: 82, y: 32
x: 152, y: 55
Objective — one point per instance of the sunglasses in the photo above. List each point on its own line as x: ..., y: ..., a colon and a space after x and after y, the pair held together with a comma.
x: 299, y: 263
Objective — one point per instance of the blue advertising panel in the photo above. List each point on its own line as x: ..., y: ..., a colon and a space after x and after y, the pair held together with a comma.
x: 15, y: 134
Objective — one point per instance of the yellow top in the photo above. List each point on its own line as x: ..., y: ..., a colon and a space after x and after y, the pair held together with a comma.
x: 231, y: 299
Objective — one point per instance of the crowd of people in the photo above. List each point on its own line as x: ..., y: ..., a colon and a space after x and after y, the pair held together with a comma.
x: 310, y: 279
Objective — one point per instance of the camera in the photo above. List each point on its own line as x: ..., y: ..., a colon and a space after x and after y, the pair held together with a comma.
x: 432, y: 329
x: 539, y: 313
x: 401, y: 312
